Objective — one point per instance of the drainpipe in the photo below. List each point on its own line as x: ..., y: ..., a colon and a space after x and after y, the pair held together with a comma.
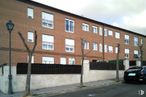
x: 103, y: 53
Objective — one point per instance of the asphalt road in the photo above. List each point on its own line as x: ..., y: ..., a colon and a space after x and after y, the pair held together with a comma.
x: 116, y: 90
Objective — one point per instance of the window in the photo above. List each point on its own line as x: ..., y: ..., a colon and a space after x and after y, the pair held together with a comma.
x: 110, y: 49
x: 30, y: 37
x: 32, y: 59
x: 135, y: 53
x: 95, y: 48
x: 135, y: 41
x: 47, y: 20
x: 100, y: 47
x: 47, y: 42
x: 86, y: 44
x: 62, y: 60
x: 30, y: 13
x: 105, y: 32
x: 142, y: 40
x: 69, y: 25
x: 126, y: 53
x: 116, y: 50
x: 69, y: 45
x: 117, y: 35
x: 71, y: 61
x: 127, y: 39
x: 100, y: 31
x: 85, y: 27
x: 110, y: 33
x: 48, y: 60
x: 105, y: 48
x: 94, y: 29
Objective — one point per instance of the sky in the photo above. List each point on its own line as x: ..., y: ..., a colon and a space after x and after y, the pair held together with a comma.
x: 127, y: 14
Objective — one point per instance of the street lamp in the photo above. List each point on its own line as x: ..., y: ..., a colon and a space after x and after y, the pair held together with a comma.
x: 10, y: 27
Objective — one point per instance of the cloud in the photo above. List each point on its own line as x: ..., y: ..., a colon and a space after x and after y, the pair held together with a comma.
x: 129, y: 14
x: 73, y: 6
x: 137, y: 20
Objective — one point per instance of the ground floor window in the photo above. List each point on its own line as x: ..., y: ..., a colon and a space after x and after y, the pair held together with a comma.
x: 127, y: 53
x: 71, y: 61
x: 32, y: 59
x: 48, y: 60
x: 62, y: 60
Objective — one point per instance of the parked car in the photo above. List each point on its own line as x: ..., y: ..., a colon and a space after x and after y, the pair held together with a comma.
x: 135, y: 74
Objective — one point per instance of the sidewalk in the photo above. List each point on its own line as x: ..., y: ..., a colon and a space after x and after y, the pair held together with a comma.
x: 63, y: 89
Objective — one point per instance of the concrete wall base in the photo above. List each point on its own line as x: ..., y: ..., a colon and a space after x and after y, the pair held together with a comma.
x: 52, y: 80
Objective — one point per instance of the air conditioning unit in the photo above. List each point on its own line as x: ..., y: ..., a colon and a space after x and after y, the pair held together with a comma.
x: 30, y: 17
x: 30, y: 40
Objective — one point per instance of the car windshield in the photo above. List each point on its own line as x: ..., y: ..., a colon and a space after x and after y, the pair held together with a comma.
x: 135, y: 68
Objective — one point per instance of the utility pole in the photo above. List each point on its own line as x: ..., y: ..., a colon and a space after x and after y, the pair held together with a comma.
x: 117, y: 63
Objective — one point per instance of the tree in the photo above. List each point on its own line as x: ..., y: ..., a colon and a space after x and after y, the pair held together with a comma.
x: 117, y: 63
x: 83, y: 54
x: 30, y: 54
x: 141, y: 53
x: 82, y: 62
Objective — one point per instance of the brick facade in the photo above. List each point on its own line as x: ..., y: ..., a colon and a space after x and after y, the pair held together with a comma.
x: 16, y: 10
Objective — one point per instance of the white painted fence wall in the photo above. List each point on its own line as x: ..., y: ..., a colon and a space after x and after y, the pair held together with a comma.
x: 52, y: 80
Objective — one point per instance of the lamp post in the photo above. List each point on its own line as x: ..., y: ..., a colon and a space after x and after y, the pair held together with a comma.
x: 10, y: 27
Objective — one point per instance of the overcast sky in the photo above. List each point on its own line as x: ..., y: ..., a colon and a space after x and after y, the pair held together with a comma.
x: 127, y: 14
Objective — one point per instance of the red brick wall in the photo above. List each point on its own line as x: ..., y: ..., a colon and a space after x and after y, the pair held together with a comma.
x: 17, y: 12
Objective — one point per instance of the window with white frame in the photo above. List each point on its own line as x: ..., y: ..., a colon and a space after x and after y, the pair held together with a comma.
x: 95, y: 47
x: 105, y: 48
x: 94, y: 29
x: 105, y: 32
x: 47, y: 42
x: 100, y: 47
x: 135, y: 41
x: 135, y: 53
x: 116, y: 50
x: 47, y: 20
x: 30, y: 36
x: 86, y: 44
x: 30, y: 13
x: 85, y: 27
x: 110, y: 49
x: 117, y: 35
x: 100, y: 31
x: 71, y: 61
x: 127, y: 39
x: 32, y: 59
x: 127, y: 53
x: 110, y: 33
x: 69, y: 45
x: 62, y: 60
x: 141, y: 41
x: 48, y: 60
x: 69, y: 25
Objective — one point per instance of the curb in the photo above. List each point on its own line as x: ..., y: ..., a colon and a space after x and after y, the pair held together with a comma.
x: 75, y: 89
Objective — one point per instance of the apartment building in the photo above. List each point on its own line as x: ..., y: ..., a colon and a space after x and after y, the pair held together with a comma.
x: 59, y: 35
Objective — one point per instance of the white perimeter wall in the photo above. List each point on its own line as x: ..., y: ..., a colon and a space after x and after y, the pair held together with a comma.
x: 52, y: 80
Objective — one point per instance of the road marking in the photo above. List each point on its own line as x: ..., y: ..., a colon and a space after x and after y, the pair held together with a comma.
x: 141, y: 92
x: 91, y: 95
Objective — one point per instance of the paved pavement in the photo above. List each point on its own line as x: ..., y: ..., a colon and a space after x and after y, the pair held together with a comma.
x: 114, y: 90
x: 63, y: 89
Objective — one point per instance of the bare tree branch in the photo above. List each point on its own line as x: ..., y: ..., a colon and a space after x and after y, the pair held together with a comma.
x: 23, y: 40
x: 35, y: 42
x: 87, y: 52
